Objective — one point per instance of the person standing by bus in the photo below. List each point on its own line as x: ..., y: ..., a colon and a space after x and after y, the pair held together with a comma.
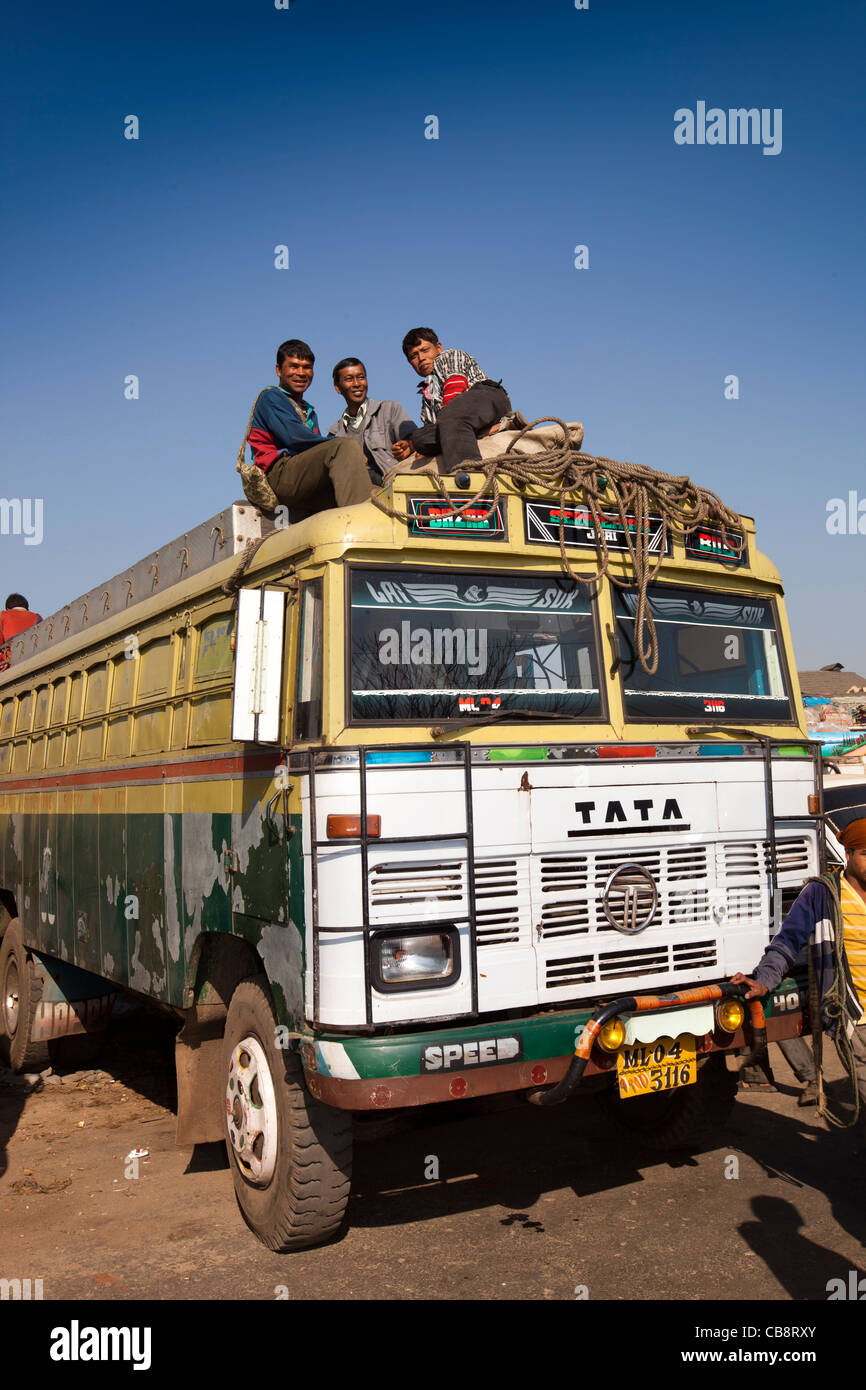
x: 309, y: 472
x: 16, y: 617
x: 459, y: 402
x: 811, y: 920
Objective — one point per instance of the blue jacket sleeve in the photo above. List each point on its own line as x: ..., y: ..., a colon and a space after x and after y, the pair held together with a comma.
x: 277, y: 415
x: 811, y: 906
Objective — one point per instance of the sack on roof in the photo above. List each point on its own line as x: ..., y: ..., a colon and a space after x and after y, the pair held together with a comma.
x: 254, y: 482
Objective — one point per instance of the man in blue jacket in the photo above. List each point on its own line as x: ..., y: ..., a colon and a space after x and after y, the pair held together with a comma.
x: 830, y: 917
x: 309, y: 472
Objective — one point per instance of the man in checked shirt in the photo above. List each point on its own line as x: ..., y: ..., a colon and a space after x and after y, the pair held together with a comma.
x: 458, y: 402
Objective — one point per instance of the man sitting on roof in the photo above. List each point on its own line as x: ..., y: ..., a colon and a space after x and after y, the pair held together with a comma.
x: 459, y: 401
x: 375, y: 424
x: 16, y: 617
x: 308, y: 472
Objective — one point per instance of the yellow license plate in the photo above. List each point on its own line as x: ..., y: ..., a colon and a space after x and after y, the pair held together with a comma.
x: 647, y: 1068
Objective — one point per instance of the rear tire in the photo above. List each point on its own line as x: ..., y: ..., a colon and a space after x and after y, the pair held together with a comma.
x: 20, y: 995
x: 679, y: 1119
x: 290, y: 1155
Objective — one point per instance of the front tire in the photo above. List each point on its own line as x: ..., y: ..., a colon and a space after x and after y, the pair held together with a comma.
x: 20, y: 995
x: 679, y: 1119
x: 290, y: 1155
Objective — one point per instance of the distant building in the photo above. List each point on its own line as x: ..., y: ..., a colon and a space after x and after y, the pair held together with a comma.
x: 832, y: 683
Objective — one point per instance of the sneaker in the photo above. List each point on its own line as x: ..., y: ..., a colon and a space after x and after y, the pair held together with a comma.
x: 809, y: 1094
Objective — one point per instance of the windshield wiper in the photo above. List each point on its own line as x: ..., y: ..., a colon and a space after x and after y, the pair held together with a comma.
x: 540, y: 716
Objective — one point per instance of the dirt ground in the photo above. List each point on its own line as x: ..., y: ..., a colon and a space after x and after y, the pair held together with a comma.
x: 528, y: 1204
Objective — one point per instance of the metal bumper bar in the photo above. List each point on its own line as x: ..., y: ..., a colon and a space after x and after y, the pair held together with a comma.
x: 646, y: 1003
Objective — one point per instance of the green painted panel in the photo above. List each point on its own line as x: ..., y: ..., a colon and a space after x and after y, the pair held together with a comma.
x: 85, y: 856
x: 146, y: 934
x: 64, y: 882
x: 113, y: 891
x: 45, y: 917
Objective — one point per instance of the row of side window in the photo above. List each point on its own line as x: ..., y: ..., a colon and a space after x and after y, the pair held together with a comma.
x: 168, y: 693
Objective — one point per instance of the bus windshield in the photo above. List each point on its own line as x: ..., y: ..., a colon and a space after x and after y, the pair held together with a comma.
x: 719, y: 656
x: 441, y: 644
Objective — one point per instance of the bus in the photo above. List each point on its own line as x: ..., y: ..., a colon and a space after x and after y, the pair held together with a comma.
x: 386, y: 812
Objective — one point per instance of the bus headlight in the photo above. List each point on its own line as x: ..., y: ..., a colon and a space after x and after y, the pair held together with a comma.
x: 730, y: 1014
x: 416, y: 960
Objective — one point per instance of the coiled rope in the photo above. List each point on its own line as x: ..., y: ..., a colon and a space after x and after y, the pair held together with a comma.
x: 595, y: 483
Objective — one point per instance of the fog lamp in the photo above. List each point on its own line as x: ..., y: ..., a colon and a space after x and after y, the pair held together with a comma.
x: 612, y: 1035
x: 730, y: 1014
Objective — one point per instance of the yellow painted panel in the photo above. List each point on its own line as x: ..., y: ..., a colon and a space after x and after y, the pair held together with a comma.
x: 72, y: 740
x: 209, y: 796
x: 25, y: 710
x: 7, y: 718
x: 97, y: 690
x: 5, y: 756
x: 119, y: 731
x: 123, y: 682
x: 214, y: 654
x: 43, y: 699
x: 179, y: 724
x: 58, y: 705
x: 90, y: 746
x: 37, y: 753
x: 154, y: 668
x: 54, y: 755
x: 19, y: 757
x: 211, y: 719
x: 151, y: 731
x: 144, y: 801
x: 76, y: 686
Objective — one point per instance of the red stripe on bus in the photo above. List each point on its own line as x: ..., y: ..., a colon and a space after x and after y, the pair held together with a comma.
x: 116, y: 776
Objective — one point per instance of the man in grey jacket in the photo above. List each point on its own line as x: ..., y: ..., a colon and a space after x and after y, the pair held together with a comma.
x: 376, y: 425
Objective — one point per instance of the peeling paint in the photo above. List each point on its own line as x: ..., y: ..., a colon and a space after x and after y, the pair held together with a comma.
x: 157, y: 936
x: 237, y: 900
x: 247, y: 833
x: 280, y: 950
x: 171, y: 916
x: 108, y: 966
x: 139, y: 977
x: 112, y: 891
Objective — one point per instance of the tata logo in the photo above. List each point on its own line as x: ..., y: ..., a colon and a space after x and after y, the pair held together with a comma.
x: 640, y: 814
x: 630, y: 899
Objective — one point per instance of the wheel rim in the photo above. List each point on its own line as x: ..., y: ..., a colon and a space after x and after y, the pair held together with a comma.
x: 251, y: 1112
x: 10, y: 999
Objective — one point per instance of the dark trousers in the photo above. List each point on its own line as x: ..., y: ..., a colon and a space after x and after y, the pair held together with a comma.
x: 454, y: 433
x: 331, y: 474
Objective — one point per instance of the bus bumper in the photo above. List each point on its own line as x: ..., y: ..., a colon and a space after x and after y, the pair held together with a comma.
x: 442, y: 1064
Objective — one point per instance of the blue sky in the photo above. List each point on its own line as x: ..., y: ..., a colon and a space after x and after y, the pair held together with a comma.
x: 305, y: 126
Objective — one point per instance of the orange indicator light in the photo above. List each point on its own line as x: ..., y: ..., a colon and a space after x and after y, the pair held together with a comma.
x: 349, y: 827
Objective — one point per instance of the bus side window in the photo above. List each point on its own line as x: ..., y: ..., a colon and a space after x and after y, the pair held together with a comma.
x: 308, y: 703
